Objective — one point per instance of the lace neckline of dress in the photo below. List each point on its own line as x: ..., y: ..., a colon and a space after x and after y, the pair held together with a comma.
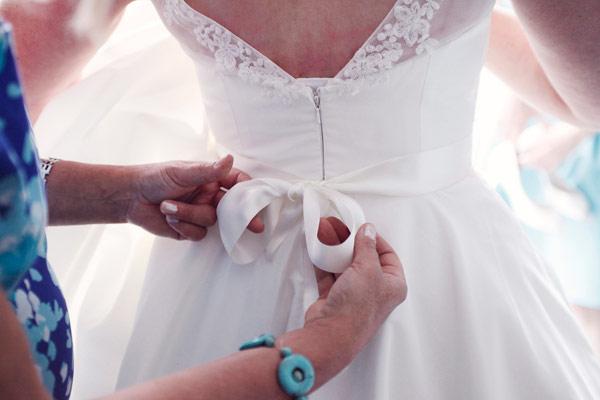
x: 405, y: 27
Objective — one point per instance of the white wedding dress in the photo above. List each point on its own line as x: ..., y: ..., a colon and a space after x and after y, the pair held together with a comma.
x: 388, y: 140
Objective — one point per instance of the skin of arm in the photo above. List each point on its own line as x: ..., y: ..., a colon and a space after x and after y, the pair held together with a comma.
x: 49, y: 52
x: 18, y: 377
x: 564, y: 36
x: 550, y: 58
x: 252, y: 374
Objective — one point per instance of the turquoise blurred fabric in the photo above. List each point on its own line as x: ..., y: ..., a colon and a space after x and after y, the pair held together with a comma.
x: 574, y: 250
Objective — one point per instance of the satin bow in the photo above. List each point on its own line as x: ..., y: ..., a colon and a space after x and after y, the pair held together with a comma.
x: 292, y: 206
x: 287, y: 207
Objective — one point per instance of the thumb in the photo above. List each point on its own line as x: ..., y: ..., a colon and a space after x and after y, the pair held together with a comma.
x: 199, y: 173
x: 365, y: 248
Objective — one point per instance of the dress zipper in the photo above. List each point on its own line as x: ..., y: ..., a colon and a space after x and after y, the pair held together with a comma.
x: 317, y: 101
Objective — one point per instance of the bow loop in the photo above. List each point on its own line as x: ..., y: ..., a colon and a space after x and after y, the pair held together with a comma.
x: 289, y: 207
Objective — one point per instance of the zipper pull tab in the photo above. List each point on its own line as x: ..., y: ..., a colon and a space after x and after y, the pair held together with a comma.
x: 317, y: 100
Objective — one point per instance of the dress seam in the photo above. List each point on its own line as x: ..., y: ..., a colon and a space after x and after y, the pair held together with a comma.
x: 238, y: 138
x: 421, y: 99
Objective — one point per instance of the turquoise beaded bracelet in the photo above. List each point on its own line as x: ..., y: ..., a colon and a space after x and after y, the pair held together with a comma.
x: 295, y: 373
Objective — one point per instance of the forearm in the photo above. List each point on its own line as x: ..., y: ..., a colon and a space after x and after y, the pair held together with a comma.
x: 252, y: 374
x: 513, y: 119
x: 511, y: 58
x: 87, y: 194
x: 565, y: 37
x: 18, y: 377
x: 49, y: 52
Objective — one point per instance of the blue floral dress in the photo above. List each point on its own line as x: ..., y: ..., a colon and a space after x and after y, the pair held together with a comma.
x: 25, y: 274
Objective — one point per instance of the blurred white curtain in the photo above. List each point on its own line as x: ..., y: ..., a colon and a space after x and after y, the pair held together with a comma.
x: 137, y: 103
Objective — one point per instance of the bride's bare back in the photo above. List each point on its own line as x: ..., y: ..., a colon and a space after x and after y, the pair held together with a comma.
x: 297, y: 35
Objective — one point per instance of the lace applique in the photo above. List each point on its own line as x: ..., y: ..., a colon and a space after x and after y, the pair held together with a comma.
x: 405, y: 27
x: 410, y: 26
x: 233, y: 55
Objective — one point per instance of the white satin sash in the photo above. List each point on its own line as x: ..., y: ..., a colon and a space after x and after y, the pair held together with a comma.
x: 291, y: 205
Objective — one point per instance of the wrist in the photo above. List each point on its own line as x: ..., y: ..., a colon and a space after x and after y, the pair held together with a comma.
x: 130, y: 178
x: 329, y: 343
x: 86, y: 193
x: 112, y: 192
x: 341, y: 331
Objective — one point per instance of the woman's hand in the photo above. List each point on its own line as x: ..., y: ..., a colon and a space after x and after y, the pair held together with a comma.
x: 351, y: 306
x: 174, y: 199
x: 368, y: 291
x: 179, y: 199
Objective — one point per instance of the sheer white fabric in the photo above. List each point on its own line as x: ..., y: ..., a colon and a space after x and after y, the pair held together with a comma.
x: 411, y: 27
x: 484, y: 318
x: 122, y: 112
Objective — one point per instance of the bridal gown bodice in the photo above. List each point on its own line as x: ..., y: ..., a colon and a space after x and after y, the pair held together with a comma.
x: 399, y: 113
x: 410, y: 88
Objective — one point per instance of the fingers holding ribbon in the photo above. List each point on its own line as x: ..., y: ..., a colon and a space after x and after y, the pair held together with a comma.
x: 190, y: 216
x: 235, y: 177
x: 319, y: 201
x: 332, y: 231
x: 190, y: 221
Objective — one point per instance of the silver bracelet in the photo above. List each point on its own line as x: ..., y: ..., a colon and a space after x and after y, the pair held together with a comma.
x: 46, y: 166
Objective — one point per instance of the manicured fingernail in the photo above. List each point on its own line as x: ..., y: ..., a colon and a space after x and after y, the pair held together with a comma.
x: 171, y: 220
x: 370, y: 231
x: 219, y: 164
x: 168, y: 207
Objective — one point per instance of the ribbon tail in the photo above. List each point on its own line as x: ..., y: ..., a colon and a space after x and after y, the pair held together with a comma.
x: 288, y: 221
x: 235, y: 211
x: 303, y: 281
